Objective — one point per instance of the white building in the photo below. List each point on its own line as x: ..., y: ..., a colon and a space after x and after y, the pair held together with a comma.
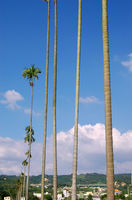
x: 66, y: 193
x: 22, y: 198
x: 87, y: 194
x: 38, y: 195
x: 7, y: 198
x: 96, y: 198
x: 59, y: 196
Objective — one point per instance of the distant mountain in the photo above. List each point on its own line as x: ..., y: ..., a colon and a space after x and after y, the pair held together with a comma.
x: 92, y: 178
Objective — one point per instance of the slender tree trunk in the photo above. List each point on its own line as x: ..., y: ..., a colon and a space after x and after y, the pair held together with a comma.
x: 28, y: 172
x: 24, y: 182
x: 75, y: 153
x: 108, y: 115
x: 45, y: 111
x: 20, y: 192
x: 54, y: 109
x: 18, y: 195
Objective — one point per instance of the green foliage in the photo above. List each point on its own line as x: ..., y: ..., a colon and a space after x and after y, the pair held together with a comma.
x: 103, y: 197
x: 4, y: 193
x: 27, y: 138
x: 31, y: 197
x: 27, y: 129
x: 128, y: 198
x: 25, y: 163
x: 31, y: 74
x: 91, y: 178
x: 121, y: 196
x: 123, y: 177
x: 90, y: 197
x: 48, y: 197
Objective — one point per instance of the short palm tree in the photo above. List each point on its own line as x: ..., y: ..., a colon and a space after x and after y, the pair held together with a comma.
x: 54, y: 109
x: 108, y: 115
x: 30, y: 74
x: 75, y: 153
x: 24, y: 164
x: 18, y: 189
x: 19, y: 186
x: 46, y: 105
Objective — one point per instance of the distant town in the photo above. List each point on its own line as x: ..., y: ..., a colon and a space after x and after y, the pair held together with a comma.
x: 96, y: 190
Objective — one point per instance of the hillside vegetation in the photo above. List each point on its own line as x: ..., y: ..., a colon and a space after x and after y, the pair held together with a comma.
x: 92, y: 178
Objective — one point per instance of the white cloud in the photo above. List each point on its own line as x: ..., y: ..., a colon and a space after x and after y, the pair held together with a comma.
x: 11, y: 153
x: 11, y: 97
x: 91, y: 152
x: 128, y: 63
x: 91, y: 99
x: 27, y: 111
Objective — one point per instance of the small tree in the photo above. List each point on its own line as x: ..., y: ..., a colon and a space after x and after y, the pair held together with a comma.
x: 24, y: 163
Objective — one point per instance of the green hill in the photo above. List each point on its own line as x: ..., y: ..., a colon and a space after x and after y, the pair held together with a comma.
x: 92, y: 178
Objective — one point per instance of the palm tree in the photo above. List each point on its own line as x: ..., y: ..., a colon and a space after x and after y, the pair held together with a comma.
x: 24, y: 163
x: 108, y: 116
x: 19, y: 186
x: 74, y: 176
x: 54, y: 108
x: 31, y: 74
x: 21, y: 180
x: 46, y: 104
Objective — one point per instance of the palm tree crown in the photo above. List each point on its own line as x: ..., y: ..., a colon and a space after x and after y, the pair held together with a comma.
x: 31, y: 74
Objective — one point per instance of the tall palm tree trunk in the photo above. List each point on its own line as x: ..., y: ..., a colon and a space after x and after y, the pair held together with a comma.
x: 45, y: 111
x: 29, y: 157
x: 54, y: 109
x: 75, y: 153
x: 108, y: 115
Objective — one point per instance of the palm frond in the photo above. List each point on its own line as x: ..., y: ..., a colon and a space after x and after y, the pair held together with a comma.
x: 27, y: 138
x: 25, y: 163
x: 27, y: 129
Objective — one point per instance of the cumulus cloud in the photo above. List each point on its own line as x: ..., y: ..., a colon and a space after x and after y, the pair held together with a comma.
x: 128, y: 63
x: 91, y: 99
x: 11, y: 97
x: 91, y: 152
x: 27, y: 111
x: 11, y: 153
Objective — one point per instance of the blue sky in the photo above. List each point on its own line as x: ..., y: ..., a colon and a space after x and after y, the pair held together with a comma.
x: 23, y: 42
